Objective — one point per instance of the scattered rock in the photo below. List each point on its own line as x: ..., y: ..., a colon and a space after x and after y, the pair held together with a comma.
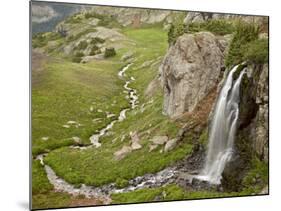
x: 71, y: 122
x: 97, y: 120
x: 45, y: 138
x: 110, y: 115
x: 135, y: 140
x: 91, y: 108
x: 134, y: 136
x: 186, y: 177
x: 136, y: 145
x: 123, y: 138
x: 159, y: 140
x: 99, y: 110
x: 66, y: 126
x: 264, y: 190
x: 152, y: 147
x: 76, y: 139
x: 170, y: 144
x: 120, y: 154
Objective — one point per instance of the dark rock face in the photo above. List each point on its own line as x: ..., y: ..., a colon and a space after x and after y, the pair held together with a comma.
x: 252, y: 132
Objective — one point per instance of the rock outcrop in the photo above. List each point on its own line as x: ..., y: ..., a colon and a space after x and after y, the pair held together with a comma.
x: 127, y: 16
x: 199, y: 17
x: 190, y: 69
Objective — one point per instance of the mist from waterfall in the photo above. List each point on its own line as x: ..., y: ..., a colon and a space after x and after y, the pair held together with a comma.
x: 223, y: 129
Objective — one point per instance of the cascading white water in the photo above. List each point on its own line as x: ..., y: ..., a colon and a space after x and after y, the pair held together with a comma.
x: 223, y: 129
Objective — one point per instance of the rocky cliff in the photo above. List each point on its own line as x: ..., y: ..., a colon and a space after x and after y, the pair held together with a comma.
x: 190, y: 69
x: 127, y: 16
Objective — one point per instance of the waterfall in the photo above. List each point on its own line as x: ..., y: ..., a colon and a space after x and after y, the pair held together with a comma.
x: 223, y: 129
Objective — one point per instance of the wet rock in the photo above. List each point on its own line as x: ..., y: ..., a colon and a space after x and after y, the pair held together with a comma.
x: 171, y: 144
x: 120, y: 154
x: 233, y: 174
x: 110, y: 115
x: 159, y: 140
x: 127, y: 56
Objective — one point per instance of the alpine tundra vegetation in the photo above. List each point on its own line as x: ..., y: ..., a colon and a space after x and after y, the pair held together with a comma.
x: 136, y: 105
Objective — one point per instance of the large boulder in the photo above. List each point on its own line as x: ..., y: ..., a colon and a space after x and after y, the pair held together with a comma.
x: 190, y: 69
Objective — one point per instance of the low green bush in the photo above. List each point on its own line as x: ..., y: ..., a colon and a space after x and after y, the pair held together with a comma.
x: 177, y: 29
x: 82, y: 45
x: 256, y: 51
x: 79, y: 54
x: 76, y: 59
x: 97, y: 40
x: 74, y: 19
x: 244, y: 34
x: 121, y: 183
x: 218, y: 27
x: 109, y: 52
x: 39, y: 40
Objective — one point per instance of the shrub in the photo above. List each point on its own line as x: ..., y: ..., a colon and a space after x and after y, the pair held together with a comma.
x: 96, y: 40
x: 121, y: 183
x: 79, y: 54
x: 82, y: 45
x: 218, y: 27
x: 109, y: 52
x: 39, y: 40
x: 74, y: 19
x: 256, y: 51
x: 244, y: 34
x: 94, y: 50
x: 177, y: 29
x: 104, y: 19
x: 76, y: 59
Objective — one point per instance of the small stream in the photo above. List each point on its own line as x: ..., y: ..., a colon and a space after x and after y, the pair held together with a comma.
x: 165, y: 176
x: 133, y: 98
